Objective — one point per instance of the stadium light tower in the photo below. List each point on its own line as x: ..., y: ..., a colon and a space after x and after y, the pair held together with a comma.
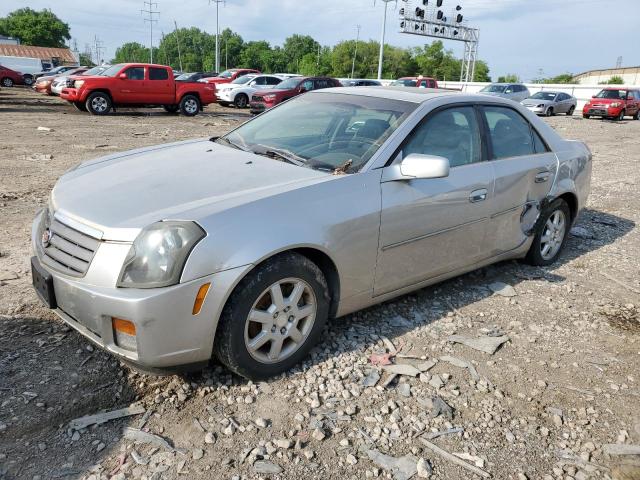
x: 384, y: 31
x: 217, y: 2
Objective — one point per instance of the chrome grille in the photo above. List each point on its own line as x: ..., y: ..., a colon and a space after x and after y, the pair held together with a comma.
x: 68, y: 250
x: 255, y: 98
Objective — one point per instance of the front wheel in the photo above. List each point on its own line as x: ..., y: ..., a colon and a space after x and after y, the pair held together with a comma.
x: 620, y: 117
x: 80, y: 106
x: 273, y: 318
x: 550, y: 112
x: 98, y: 103
x: 7, y: 82
x: 550, y: 235
x: 28, y: 80
x: 570, y: 112
x: 241, y: 101
x: 190, y: 105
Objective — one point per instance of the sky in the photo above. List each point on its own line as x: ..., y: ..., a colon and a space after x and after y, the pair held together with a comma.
x: 530, y: 38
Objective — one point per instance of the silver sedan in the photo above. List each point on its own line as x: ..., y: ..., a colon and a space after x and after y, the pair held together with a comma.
x: 551, y: 103
x: 241, y: 247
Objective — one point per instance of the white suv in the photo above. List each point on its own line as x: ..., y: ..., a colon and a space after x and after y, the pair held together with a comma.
x: 240, y: 90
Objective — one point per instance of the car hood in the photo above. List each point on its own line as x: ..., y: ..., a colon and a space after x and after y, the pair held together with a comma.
x: 122, y: 193
x: 267, y: 91
x: 605, y: 101
x: 494, y: 94
x: 534, y: 102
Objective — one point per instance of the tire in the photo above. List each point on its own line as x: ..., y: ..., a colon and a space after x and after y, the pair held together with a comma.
x: 637, y: 115
x: 241, y: 101
x: 171, y: 108
x: 7, y: 82
x: 99, y: 103
x: 80, y: 106
x: 190, y: 106
x: 586, y: 116
x: 550, y: 112
x: 286, y: 273
x: 620, y: 117
x: 538, y: 254
x: 28, y: 80
x: 571, y: 110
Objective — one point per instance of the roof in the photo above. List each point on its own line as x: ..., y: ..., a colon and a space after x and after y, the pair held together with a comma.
x: 406, y: 94
x: 44, y: 53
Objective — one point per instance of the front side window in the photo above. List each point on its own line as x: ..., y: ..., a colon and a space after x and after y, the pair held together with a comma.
x: 453, y: 134
x: 307, y: 85
x: 158, y: 74
x: 322, y: 83
x: 135, y: 73
x: 510, y: 133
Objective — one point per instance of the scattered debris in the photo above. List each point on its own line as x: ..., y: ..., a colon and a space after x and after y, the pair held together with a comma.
x: 381, y: 359
x: 139, y: 436
x: 424, y: 469
x: 484, y: 344
x: 401, y: 468
x: 503, y: 289
x: 264, y: 467
x: 440, y: 407
x: 621, y: 449
x: 580, y: 232
x: 451, y: 431
x: 372, y: 379
x: 44, y: 129
x: 458, y: 362
x: 452, y: 458
x: 84, y: 422
x: 403, y: 369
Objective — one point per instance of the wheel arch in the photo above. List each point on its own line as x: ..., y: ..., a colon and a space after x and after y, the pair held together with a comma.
x: 97, y: 90
x: 572, y: 200
x: 195, y: 94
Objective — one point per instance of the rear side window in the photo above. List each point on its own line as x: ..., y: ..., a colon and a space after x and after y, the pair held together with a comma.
x: 158, y: 74
x: 273, y: 80
x: 322, y: 83
x: 135, y: 73
x: 510, y: 134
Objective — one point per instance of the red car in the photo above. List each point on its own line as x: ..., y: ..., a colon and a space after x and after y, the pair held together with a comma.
x: 229, y: 76
x: 614, y: 103
x: 43, y: 84
x: 9, y: 78
x: 421, y: 82
x: 138, y: 85
x: 265, y: 99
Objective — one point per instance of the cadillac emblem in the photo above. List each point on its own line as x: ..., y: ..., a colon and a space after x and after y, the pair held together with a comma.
x: 47, y: 236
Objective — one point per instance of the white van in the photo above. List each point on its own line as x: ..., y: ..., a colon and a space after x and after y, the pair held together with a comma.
x: 25, y: 65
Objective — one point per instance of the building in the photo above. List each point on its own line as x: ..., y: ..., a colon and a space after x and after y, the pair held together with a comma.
x: 9, y: 40
x: 55, y: 56
x: 630, y: 75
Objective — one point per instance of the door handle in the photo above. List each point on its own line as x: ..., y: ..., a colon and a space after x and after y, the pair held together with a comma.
x: 478, y: 195
x: 543, y: 176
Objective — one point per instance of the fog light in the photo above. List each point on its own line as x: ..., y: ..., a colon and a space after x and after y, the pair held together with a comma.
x: 200, y: 297
x: 124, y: 334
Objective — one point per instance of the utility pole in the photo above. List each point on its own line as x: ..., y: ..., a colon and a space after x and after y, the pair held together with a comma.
x: 318, y: 62
x: 217, y: 2
x: 384, y: 31
x: 149, y: 7
x: 178, y: 42
x: 98, y: 48
x: 355, y: 52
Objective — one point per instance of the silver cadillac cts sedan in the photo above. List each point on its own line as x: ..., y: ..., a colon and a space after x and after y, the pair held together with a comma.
x: 241, y: 247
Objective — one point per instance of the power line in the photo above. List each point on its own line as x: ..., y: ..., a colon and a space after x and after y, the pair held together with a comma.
x: 150, y: 12
x: 218, y: 2
x: 98, y: 48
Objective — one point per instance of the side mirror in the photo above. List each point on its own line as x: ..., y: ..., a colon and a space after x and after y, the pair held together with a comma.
x: 122, y: 76
x: 415, y: 166
x: 593, y: 96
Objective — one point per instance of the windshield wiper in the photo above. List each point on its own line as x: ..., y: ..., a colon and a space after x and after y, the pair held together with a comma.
x: 280, y: 154
x: 226, y: 141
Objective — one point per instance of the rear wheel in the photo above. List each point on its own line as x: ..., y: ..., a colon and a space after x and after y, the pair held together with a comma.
x: 637, y: 115
x: 80, y: 106
x: 7, y: 82
x: 190, y: 105
x: 571, y: 110
x: 241, y: 101
x: 171, y: 108
x: 551, y: 234
x: 273, y: 318
x: 99, y: 103
x: 28, y: 80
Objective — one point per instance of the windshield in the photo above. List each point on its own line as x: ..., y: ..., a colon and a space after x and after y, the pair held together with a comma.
x: 95, y: 71
x: 325, y: 131
x: 612, y: 94
x: 244, y: 79
x: 494, y: 88
x: 404, y: 83
x: 544, y: 96
x: 226, y: 74
x: 289, y: 83
x: 113, y: 71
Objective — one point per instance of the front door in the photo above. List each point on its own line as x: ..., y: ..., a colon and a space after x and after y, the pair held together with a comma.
x: 524, y: 170
x: 132, y: 88
x: 433, y: 226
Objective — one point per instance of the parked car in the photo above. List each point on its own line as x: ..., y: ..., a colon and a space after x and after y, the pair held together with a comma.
x: 169, y: 255
x: 263, y: 100
x: 54, y: 71
x: 241, y: 89
x: 421, y: 82
x: 63, y: 81
x: 550, y: 103
x: 614, y: 103
x: 43, y: 84
x: 9, y: 77
x: 360, y: 83
x: 28, y: 67
x: 513, y: 91
x: 229, y: 76
x: 195, y: 76
x: 135, y: 85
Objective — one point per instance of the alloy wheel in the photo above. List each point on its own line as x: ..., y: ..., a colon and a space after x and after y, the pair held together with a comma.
x: 191, y: 106
x: 553, y: 235
x: 280, y: 320
x: 99, y: 104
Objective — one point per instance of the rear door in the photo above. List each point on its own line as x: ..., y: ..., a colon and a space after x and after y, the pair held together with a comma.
x: 130, y: 90
x: 524, y: 169
x: 160, y: 88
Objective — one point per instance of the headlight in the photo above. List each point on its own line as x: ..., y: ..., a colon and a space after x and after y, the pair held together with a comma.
x: 540, y: 106
x: 270, y: 97
x: 158, y: 255
x: 78, y: 83
x: 615, y: 105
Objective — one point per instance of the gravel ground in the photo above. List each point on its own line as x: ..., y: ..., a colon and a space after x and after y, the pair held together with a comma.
x: 548, y: 404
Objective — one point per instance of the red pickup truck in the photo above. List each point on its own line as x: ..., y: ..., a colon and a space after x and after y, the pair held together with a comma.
x: 138, y: 85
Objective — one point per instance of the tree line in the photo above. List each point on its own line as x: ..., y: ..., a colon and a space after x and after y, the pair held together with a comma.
x: 193, y: 50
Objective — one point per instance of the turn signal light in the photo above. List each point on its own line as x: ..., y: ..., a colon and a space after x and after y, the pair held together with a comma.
x: 200, y: 297
x: 124, y: 326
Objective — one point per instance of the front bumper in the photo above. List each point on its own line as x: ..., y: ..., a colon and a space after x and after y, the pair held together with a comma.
x: 225, y: 96
x: 42, y: 88
x: 70, y: 94
x: 602, y: 111
x: 258, y: 107
x: 167, y: 333
x: 537, y: 110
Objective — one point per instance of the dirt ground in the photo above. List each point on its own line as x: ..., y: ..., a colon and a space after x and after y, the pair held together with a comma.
x: 544, y: 406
